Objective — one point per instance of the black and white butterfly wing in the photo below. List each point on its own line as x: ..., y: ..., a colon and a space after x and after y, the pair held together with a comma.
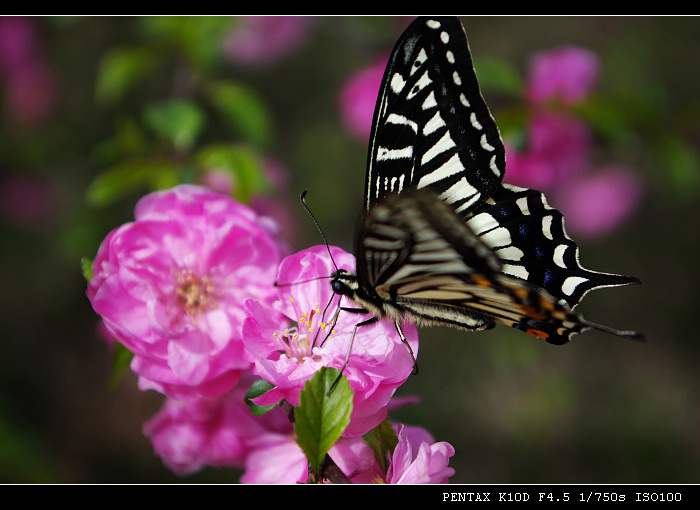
x: 426, y: 265
x: 506, y: 257
x: 529, y: 237
x: 431, y: 126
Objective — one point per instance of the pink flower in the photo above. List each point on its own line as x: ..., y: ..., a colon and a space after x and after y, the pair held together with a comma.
x: 556, y: 156
x: 276, y: 459
x: 358, y: 97
x: 417, y: 459
x: 558, y: 147
x: 199, y: 432
x: 17, y: 42
x: 29, y: 83
x: 567, y: 74
x: 171, y: 285
x: 595, y: 205
x: 31, y: 93
x: 264, y: 39
x: 288, y: 351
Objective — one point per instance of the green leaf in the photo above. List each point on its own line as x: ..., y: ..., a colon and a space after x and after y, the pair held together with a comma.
x: 176, y: 121
x: 123, y: 179
x: 498, y: 75
x: 86, y: 267
x: 199, y: 38
x: 119, y: 70
x: 241, y: 161
x: 321, y: 418
x: 243, y: 111
x: 121, y: 358
x: 258, y: 388
x: 382, y: 440
x: 681, y: 164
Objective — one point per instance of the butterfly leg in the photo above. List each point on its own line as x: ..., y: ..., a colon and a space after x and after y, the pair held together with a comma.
x: 347, y: 355
x: 403, y: 339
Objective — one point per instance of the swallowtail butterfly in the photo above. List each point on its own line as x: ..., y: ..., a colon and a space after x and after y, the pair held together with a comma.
x: 442, y: 240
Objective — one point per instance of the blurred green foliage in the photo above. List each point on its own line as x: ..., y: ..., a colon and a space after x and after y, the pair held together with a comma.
x: 144, y: 103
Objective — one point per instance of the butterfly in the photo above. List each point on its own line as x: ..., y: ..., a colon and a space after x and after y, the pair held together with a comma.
x: 442, y: 240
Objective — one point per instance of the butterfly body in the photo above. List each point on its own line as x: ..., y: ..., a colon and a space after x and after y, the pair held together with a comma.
x: 442, y: 241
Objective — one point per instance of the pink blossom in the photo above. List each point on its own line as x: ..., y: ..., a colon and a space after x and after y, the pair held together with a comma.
x: 567, y: 74
x: 557, y: 148
x: 358, y: 97
x: 417, y: 459
x: 17, y: 42
x: 557, y: 155
x: 594, y: 205
x: 264, y: 39
x: 287, y: 352
x: 170, y: 286
x: 276, y: 459
x: 31, y: 92
x: 199, y: 432
x: 28, y: 81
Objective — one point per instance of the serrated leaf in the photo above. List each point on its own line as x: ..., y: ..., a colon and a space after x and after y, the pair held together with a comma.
x: 176, y: 121
x: 257, y: 389
x: 321, y: 418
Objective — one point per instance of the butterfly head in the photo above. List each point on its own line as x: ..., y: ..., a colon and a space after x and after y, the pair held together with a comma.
x: 344, y: 283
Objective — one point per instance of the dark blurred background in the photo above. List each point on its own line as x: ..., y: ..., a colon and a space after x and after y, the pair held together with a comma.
x: 74, y: 91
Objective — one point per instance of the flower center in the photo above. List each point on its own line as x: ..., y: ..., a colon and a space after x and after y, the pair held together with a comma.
x: 194, y: 293
x: 298, y: 341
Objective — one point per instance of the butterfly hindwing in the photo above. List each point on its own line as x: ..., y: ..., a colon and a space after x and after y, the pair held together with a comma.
x: 529, y: 237
x: 418, y: 255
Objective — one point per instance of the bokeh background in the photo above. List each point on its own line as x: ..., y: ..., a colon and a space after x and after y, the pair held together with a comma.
x: 97, y: 111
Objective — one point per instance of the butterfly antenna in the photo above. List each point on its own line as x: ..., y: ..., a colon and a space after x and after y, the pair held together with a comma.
x: 318, y: 226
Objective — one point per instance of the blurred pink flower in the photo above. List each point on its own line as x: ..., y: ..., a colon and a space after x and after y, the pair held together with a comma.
x: 358, y: 97
x: 199, y: 432
x: 29, y: 83
x: 17, y: 42
x: 597, y: 203
x: 567, y: 74
x: 30, y: 94
x: 288, y: 355
x: 264, y: 39
x: 557, y: 148
x: 557, y: 155
x: 171, y: 286
x: 276, y: 459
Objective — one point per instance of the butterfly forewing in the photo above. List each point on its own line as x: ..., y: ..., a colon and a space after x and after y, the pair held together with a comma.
x: 431, y: 125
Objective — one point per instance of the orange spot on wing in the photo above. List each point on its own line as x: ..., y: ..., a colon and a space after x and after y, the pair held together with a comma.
x: 538, y: 334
